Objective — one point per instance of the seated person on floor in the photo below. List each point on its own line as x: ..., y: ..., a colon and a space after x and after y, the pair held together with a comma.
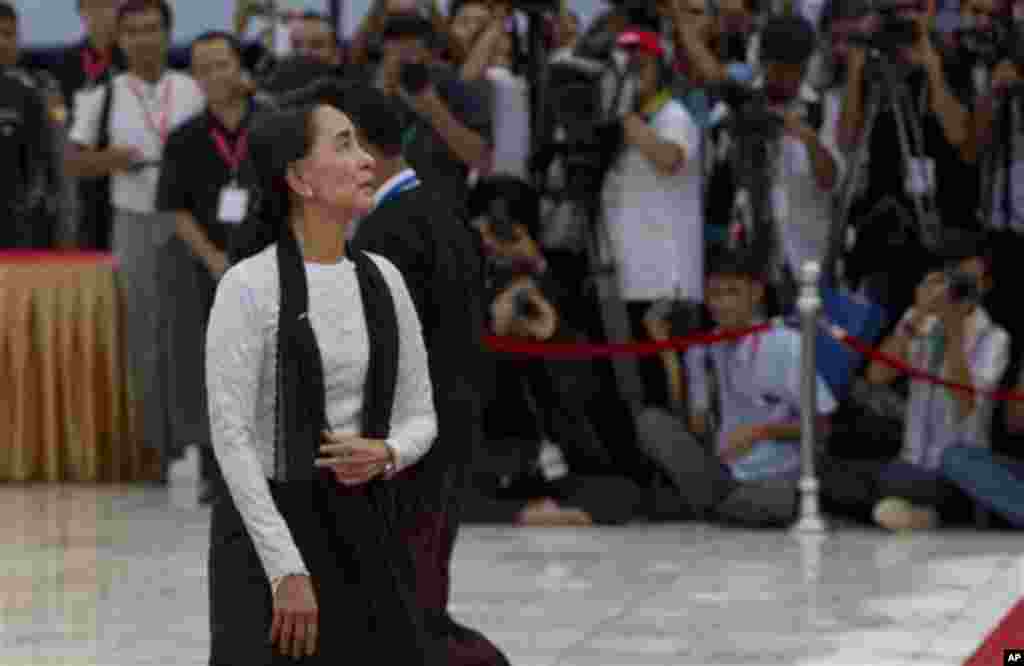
x: 948, y: 334
x: 747, y: 471
x: 994, y: 481
x: 535, y: 400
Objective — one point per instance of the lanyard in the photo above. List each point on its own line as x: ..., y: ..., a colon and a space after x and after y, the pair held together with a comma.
x: 232, y: 157
x: 160, y: 126
x: 94, y: 63
x: 407, y: 183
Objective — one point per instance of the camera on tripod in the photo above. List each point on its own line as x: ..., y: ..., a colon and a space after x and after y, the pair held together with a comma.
x: 893, y: 34
x: 1001, y: 41
x: 583, y: 123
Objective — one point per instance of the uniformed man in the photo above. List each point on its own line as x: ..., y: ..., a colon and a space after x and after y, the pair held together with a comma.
x: 29, y: 177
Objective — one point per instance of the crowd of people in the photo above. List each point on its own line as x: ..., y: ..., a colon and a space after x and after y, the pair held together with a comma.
x: 888, y: 120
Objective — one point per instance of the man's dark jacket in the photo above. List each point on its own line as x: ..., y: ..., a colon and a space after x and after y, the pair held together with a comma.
x: 442, y: 266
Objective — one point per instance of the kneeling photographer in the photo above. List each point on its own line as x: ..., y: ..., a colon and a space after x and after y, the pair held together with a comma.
x: 784, y: 156
x: 542, y: 398
x: 542, y: 452
x: 905, y: 125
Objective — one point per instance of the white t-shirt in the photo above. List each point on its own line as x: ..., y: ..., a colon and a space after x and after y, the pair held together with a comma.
x: 141, y: 115
x: 655, y: 221
x: 510, y: 113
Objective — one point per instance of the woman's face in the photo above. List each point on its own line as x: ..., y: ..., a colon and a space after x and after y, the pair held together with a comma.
x: 337, y: 174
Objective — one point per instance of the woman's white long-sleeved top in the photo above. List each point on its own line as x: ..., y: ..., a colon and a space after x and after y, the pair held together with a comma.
x: 241, y: 372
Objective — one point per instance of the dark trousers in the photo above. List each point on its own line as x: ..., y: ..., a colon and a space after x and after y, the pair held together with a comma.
x: 853, y: 487
x: 706, y: 487
x: 651, y: 369
x: 431, y: 537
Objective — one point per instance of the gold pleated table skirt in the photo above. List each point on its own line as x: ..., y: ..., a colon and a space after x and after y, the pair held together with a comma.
x: 65, y: 404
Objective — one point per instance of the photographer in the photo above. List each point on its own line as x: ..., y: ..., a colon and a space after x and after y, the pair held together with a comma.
x: 707, y: 53
x: 652, y: 197
x: 489, y: 41
x: 526, y: 303
x: 948, y: 334
x: 448, y: 122
x: 900, y: 53
x: 810, y: 162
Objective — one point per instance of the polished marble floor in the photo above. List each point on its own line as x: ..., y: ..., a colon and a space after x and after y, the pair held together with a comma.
x: 115, y: 576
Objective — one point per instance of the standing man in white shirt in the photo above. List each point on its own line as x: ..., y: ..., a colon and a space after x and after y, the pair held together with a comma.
x: 810, y: 163
x: 652, y: 197
x: 137, y: 110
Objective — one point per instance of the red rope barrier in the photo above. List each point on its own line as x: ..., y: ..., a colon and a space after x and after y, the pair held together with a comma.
x: 866, y: 350
x: 571, y: 350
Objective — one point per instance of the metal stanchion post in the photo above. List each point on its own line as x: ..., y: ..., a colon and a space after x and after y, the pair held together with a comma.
x: 809, y: 304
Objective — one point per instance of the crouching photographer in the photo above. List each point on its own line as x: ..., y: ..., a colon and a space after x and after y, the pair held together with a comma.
x: 540, y: 442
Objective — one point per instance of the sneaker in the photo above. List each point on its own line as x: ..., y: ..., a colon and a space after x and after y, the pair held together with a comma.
x: 899, y: 515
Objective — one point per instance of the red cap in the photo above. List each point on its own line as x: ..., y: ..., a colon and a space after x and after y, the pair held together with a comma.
x: 641, y: 40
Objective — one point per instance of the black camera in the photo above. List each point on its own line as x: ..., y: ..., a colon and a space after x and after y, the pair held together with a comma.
x: 523, y: 306
x: 962, y: 287
x: 503, y: 226
x: 641, y: 13
x: 1001, y: 41
x: 893, y: 34
x: 414, y: 78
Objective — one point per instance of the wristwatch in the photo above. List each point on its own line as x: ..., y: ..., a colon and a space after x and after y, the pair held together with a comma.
x: 389, y: 468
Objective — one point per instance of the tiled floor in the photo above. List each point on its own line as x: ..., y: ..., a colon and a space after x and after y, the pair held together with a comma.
x: 116, y: 576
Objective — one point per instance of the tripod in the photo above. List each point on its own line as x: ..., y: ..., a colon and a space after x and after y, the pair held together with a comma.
x: 999, y: 157
x: 755, y: 158
x: 888, y: 87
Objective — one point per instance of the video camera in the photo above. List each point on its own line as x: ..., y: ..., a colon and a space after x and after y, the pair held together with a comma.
x: 1004, y: 40
x: 893, y: 34
x: 962, y: 287
x: 587, y: 93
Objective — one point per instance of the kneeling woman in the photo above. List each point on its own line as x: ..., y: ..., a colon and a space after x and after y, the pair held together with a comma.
x: 319, y: 393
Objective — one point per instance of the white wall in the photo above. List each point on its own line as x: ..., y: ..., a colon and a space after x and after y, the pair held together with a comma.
x: 56, y: 21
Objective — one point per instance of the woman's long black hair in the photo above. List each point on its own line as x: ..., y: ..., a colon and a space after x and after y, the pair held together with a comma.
x: 278, y: 139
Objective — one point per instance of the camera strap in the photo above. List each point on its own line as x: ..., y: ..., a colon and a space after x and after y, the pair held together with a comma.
x: 1007, y: 146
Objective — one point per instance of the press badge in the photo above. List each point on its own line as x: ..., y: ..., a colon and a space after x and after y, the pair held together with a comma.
x: 233, y: 202
x: 920, y: 175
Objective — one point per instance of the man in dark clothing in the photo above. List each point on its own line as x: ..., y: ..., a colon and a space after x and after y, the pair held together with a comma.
x: 199, y: 184
x: 414, y: 227
x: 29, y: 171
x: 27, y: 158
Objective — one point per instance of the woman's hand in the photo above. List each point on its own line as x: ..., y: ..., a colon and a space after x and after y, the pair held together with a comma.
x: 354, y: 460
x: 295, y: 627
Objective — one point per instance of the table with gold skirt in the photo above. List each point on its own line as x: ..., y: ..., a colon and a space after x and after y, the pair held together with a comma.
x: 65, y: 401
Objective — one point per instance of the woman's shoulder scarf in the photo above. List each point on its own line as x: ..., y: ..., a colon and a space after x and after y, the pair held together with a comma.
x: 301, y: 399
